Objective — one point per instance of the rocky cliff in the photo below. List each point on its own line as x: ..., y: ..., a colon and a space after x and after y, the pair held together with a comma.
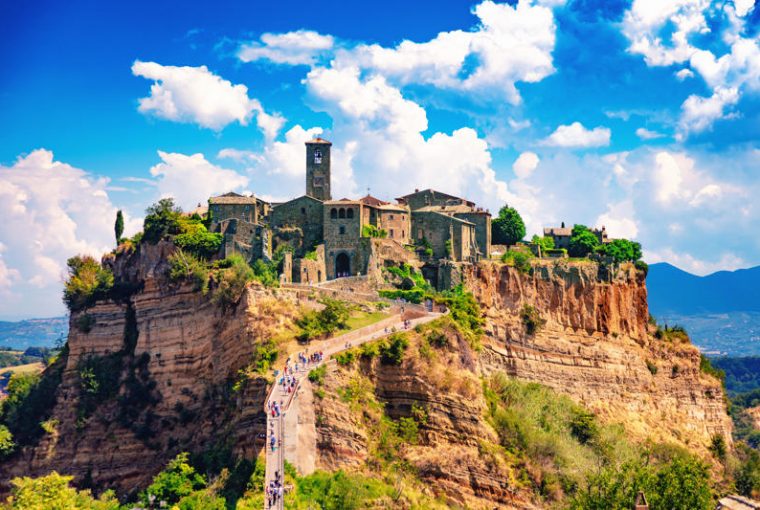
x: 165, y: 360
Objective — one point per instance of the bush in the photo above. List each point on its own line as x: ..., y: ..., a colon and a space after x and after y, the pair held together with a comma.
x: 186, y: 266
x: 718, y: 447
x: 531, y: 319
x: 464, y: 311
x: 317, y: 375
x: 508, y: 227
x: 345, y: 358
x: 546, y: 243
x: 178, y: 480
x: 393, y: 348
x: 519, y: 259
x: 331, y: 318
x: 705, y: 366
x: 582, y: 241
x: 54, y: 492
x: 264, y: 355
x: 161, y: 218
x: 87, y: 282
x: 373, y: 231
x: 369, y: 350
x: 201, y: 243
x: 652, y: 367
x: 6, y: 442
x: 621, y: 250
x: 232, y: 281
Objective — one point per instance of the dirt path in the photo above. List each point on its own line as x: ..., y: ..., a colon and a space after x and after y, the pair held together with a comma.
x: 297, y: 409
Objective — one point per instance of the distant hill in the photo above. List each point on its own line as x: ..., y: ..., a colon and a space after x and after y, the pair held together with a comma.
x: 673, y: 291
x: 721, y: 311
x: 33, y: 332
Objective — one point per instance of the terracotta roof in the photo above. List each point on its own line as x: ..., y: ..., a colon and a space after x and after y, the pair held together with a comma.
x: 232, y: 198
x: 374, y: 201
x: 319, y: 140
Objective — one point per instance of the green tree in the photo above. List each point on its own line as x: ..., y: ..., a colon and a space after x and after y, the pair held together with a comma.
x: 161, y: 218
x: 6, y: 441
x: 508, y: 227
x: 118, y: 227
x: 177, y: 481
x: 545, y: 242
x: 748, y: 476
x: 582, y: 241
x: 87, y: 281
x: 53, y: 492
x: 621, y: 250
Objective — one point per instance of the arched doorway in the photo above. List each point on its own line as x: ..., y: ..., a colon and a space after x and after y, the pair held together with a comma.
x: 342, y: 265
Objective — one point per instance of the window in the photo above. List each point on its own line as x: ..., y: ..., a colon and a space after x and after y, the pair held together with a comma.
x: 402, y: 234
x: 317, y: 156
x: 391, y: 232
x: 420, y: 233
x: 333, y: 213
x: 303, y: 210
x: 342, y: 230
x: 349, y: 213
x: 391, y: 217
x: 341, y: 213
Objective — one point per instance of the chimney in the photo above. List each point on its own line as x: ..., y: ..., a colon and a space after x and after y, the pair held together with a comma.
x: 563, y: 224
x: 416, y: 190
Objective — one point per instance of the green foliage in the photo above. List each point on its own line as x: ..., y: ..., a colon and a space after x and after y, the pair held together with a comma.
x: 531, y: 319
x: 232, y: 280
x: 675, y: 334
x: 621, y: 250
x: 201, y: 242
x: 6, y: 442
x: 324, y: 322
x: 582, y: 241
x: 266, y: 273
x: 339, y: 491
x: 53, y: 492
x: 177, y: 481
x: 118, y: 226
x: 161, y: 218
x: 520, y: 259
x: 742, y: 374
x: 369, y: 350
x: 372, y: 231
x: 345, y: 358
x: 583, y: 426
x: 642, y: 266
x: 414, y: 295
x: 30, y: 400
x: 87, y: 282
x: 392, y: 349
x: 186, y: 266
x: 652, y: 367
x: 311, y: 255
x: 718, y: 447
x: 706, y: 367
x: 408, y: 430
x: 681, y: 483
x: 748, y: 474
x: 317, y: 375
x: 264, y: 356
x: 465, y: 313
x: 546, y: 243
x: 508, y: 227
x: 99, y: 378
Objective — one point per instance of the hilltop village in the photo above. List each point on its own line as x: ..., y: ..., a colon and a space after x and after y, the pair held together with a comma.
x: 324, y: 238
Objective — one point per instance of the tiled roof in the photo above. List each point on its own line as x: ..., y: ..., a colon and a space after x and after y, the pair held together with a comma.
x: 558, y: 231
x: 374, y: 201
x: 232, y: 198
x: 319, y: 140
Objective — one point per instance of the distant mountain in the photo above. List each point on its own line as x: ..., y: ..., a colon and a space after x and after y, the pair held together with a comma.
x: 33, y: 332
x: 673, y: 291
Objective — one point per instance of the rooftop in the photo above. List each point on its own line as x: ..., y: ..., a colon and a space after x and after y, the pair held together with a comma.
x: 319, y: 140
x: 232, y: 198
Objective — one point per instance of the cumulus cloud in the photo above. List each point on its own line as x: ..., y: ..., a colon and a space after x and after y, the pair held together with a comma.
x: 576, y: 135
x: 619, y: 220
x: 698, y: 113
x: 646, y: 134
x: 511, y: 43
x: 302, y: 47
x: 525, y: 164
x: 684, y: 74
x: 192, y: 179
x: 196, y: 95
x: 51, y: 211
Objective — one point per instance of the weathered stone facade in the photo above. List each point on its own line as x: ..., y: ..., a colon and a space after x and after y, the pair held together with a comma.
x: 318, y: 169
x: 298, y: 223
x: 449, y: 237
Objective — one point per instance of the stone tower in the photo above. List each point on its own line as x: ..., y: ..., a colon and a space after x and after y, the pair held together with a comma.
x: 318, y: 169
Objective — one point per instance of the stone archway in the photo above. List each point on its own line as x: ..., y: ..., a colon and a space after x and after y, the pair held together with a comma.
x: 342, y: 265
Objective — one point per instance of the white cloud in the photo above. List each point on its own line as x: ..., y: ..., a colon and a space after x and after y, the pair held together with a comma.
x: 301, y: 47
x: 525, y: 164
x: 687, y: 262
x: 744, y: 7
x: 192, y: 179
x: 51, y: 211
x: 510, y: 44
x: 196, y: 95
x: 619, y: 220
x: 684, y: 74
x: 646, y: 134
x: 576, y: 135
x: 698, y: 113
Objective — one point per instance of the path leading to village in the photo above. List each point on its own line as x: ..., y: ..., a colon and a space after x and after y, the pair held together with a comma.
x: 282, y: 427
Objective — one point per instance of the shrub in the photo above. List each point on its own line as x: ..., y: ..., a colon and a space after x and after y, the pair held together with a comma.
x: 200, y: 243
x: 582, y: 241
x: 546, y: 243
x: 345, y: 358
x: 264, y: 355
x: 6, y: 442
x: 508, y: 227
x: 373, y: 231
x: 706, y: 367
x: 531, y: 319
x: 652, y: 367
x: 325, y: 322
x: 178, y: 480
x: 519, y: 259
x: 464, y: 311
x: 317, y: 375
x: 54, y: 492
x: 186, y: 266
x: 369, y: 350
x: 393, y: 348
x: 642, y: 266
x: 232, y: 281
x: 438, y: 338
x: 583, y: 426
x: 87, y: 282
x: 718, y: 447
x: 161, y: 218
x: 408, y: 430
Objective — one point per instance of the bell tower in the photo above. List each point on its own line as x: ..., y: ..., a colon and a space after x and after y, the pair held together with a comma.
x: 318, y: 169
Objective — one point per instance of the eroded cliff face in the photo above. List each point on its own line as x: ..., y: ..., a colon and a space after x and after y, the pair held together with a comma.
x: 175, y: 357
x: 596, y: 346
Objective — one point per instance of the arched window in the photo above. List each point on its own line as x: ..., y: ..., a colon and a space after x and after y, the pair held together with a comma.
x: 333, y: 213
x: 317, y: 157
x: 341, y: 213
x: 349, y: 213
x: 303, y: 210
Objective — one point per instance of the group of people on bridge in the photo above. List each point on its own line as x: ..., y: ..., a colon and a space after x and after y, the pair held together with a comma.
x: 274, y: 490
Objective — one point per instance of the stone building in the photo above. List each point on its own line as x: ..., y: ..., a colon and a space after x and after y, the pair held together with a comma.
x: 329, y: 239
x: 562, y: 235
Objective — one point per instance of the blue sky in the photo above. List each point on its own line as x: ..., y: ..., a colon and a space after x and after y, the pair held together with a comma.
x: 643, y: 116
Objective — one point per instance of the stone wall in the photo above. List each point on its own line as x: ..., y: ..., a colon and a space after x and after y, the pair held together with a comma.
x: 311, y: 271
x: 302, y: 216
x: 397, y: 223
x: 438, y: 228
x: 342, y: 236
x: 482, y: 222
x: 246, y: 212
